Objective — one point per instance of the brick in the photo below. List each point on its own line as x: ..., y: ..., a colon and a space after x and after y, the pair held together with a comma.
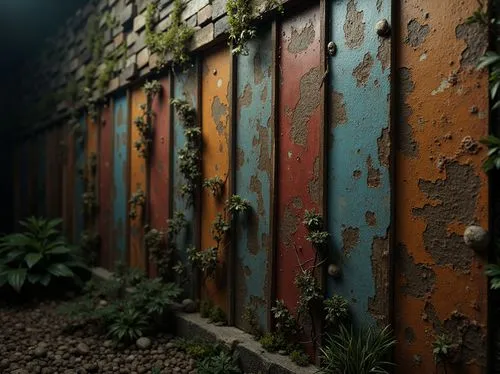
x: 139, y: 22
x: 80, y: 72
x: 192, y: 21
x: 118, y: 29
x: 107, y: 36
x: 75, y: 63
x: 131, y: 60
x: 221, y: 26
x: 140, y: 42
x: 128, y: 13
x: 204, y: 15
x: 143, y: 58
x: 218, y: 8
x: 114, y: 84
x: 102, y: 6
x: 164, y: 3
x: 112, y: 2
x: 131, y: 38
x: 119, y: 39
x: 193, y: 7
x: 86, y: 56
x: 163, y: 25
x: 202, y: 36
x: 109, y: 48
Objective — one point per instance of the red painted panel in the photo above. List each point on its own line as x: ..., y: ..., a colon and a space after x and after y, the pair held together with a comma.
x: 299, y: 145
x: 105, y: 166
x: 68, y: 180
x: 160, y: 161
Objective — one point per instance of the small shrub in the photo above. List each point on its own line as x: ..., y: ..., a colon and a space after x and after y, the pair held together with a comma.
x: 222, y: 363
x: 39, y: 256
x: 299, y: 357
x: 205, y: 308
x: 336, y: 310
x: 127, y: 325
x: 217, y: 315
x: 273, y: 342
x: 286, y: 324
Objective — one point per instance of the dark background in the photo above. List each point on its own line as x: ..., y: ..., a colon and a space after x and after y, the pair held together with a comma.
x: 24, y: 27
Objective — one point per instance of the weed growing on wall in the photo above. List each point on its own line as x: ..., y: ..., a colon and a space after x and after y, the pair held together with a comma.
x: 144, y: 122
x: 240, y: 18
x: 173, y: 43
x: 138, y: 199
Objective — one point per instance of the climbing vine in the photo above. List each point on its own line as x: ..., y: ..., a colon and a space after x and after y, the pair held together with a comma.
x: 172, y: 43
x: 144, y: 122
x: 138, y: 199
x: 240, y: 18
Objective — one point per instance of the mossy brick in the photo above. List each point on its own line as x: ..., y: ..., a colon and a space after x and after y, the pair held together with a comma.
x: 112, y: 2
x: 131, y: 38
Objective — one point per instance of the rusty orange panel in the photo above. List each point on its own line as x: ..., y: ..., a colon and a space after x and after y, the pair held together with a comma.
x: 298, y: 182
x: 105, y: 167
x: 160, y: 161
x: 440, y: 187
x: 216, y: 85
x: 137, y: 256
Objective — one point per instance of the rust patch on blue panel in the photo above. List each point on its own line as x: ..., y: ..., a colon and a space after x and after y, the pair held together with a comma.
x: 253, y: 177
x: 120, y: 177
x: 358, y: 158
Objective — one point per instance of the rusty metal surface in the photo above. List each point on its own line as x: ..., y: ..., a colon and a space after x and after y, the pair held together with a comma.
x: 298, y: 185
x: 254, y: 173
x: 79, y: 186
x: 17, y: 183
x: 185, y: 87
x: 159, y: 182
x: 41, y: 167
x: 91, y: 150
x: 359, y: 189
x: 68, y: 180
x: 216, y: 87
x: 137, y: 256
x: 440, y: 188
x: 120, y: 178
x: 105, y: 167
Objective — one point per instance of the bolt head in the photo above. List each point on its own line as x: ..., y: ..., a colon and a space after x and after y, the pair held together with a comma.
x: 382, y: 28
x: 332, y: 48
x: 334, y: 271
x: 476, y: 237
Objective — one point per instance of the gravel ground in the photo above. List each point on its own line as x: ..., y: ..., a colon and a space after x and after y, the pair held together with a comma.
x: 33, y: 340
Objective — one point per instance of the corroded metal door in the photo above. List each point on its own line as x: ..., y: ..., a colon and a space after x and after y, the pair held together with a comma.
x: 138, y: 178
x: 254, y: 178
x: 185, y: 87
x: 120, y: 177
x: 159, y: 183
x: 79, y: 172
x: 359, y: 190
x: 105, y: 168
x: 216, y: 86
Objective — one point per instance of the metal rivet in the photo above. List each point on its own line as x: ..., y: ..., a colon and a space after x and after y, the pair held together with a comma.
x: 477, y: 238
x: 334, y: 271
x: 332, y: 48
x: 382, y: 27
x: 215, y: 72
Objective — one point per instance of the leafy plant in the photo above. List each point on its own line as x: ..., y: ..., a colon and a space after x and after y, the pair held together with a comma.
x: 442, y: 348
x: 217, y: 315
x: 205, y: 260
x: 493, y: 271
x: 309, y: 291
x: 250, y: 317
x: 223, y: 363
x: 138, y: 199
x: 362, y: 352
x: 215, y: 185
x: 240, y: 20
x: 236, y: 204
x: 90, y: 242
x: 273, y: 342
x: 286, y: 324
x: 275, y: 4
x: 300, y: 358
x: 38, y: 256
x: 336, y: 310
x: 493, y: 144
x: 205, y: 308
x: 128, y: 325
x: 174, y: 41
x: 144, y: 122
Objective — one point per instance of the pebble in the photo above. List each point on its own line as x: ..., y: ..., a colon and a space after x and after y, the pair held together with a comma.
x: 143, y: 343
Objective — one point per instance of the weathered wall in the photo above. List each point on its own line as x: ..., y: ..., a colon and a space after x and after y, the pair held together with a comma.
x: 440, y: 187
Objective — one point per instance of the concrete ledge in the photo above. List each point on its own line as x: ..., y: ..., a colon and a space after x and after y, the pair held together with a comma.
x: 253, y: 358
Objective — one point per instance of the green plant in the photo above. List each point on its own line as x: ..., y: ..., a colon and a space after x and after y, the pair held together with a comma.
x: 493, y: 271
x: 240, y: 20
x: 215, y: 185
x: 251, y: 318
x: 90, y: 242
x: 442, y: 348
x: 286, y: 324
x: 128, y: 325
x: 153, y: 298
x: 336, y: 310
x: 300, y: 358
x: 236, y: 204
x: 205, y: 261
x: 361, y: 352
x: 144, y: 122
x: 217, y: 315
x: 493, y: 160
x: 174, y: 42
x: 138, y: 199
x: 273, y: 342
x: 205, y: 308
x: 222, y: 363
x: 315, y: 229
x: 275, y: 4
x: 309, y: 291
x: 38, y: 256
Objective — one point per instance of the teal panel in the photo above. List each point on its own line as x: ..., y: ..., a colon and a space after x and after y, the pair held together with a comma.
x: 254, y: 138
x: 359, y: 190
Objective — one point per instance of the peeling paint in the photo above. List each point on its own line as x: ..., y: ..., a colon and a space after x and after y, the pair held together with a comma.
x: 384, y: 147
x: 384, y: 53
x: 417, y: 33
x: 313, y: 187
x: 300, y: 41
x: 419, y: 278
x: 219, y: 114
x: 350, y: 238
x: 407, y: 143
x: 370, y: 218
x: 354, y: 27
x: 363, y: 70
x: 377, y: 305
x: 476, y: 40
x: 339, y: 111
x: 373, y: 174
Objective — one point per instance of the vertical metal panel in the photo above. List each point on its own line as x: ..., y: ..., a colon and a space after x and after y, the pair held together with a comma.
x: 216, y: 87
x: 185, y: 87
x: 254, y: 173
x: 443, y: 111
x: 49, y: 176
x: 41, y: 183
x: 159, y: 183
x: 32, y: 172
x: 79, y: 221
x: 105, y: 167
x: 57, y: 192
x: 359, y: 190
x: 23, y: 180
x: 137, y: 256
x: 120, y: 177
x: 17, y: 162
x: 69, y: 180
x: 299, y: 145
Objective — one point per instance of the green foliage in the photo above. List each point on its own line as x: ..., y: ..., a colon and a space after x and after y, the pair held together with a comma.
x: 250, y: 317
x: 493, y: 160
x: 217, y: 315
x: 172, y: 43
x: 286, y: 324
x: 240, y: 20
x: 222, y: 363
x: 90, y: 242
x: 442, y: 348
x: 336, y: 310
x: 205, y: 261
x: 38, y: 256
x: 273, y: 342
x: 275, y: 4
x: 309, y: 291
x: 219, y: 229
x: 144, y: 122
x: 205, y: 308
x: 138, y: 199
x: 300, y: 358
x: 127, y: 325
x: 493, y: 271
x: 358, y: 352
x: 215, y: 185
x: 236, y: 204
x: 153, y: 297
x: 315, y: 229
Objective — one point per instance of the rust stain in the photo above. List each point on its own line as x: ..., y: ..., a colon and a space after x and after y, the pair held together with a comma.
x: 363, y: 70
x: 256, y: 187
x: 350, y: 239
x: 476, y: 40
x: 339, y: 110
x: 264, y: 141
x: 384, y: 53
x: 378, y: 305
x: 354, y: 27
x: 456, y: 198
x: 300, y: 41
x: 313, y: 187
x: 288, y: 226
x: 417, y: 33
x: 371, y: 218
x: 409, y: 335
x: 419, y: 278
x: 469, y: 145
x: 407, y: 143
x: 384, y: 147
x: 219, y: 114
x: 246, y: 97
x: 373, y: 176
x: 356, y: 174
x: 308, y: 102
x: 240, y: 157
x: 258, y: 74
x: 263, y: 95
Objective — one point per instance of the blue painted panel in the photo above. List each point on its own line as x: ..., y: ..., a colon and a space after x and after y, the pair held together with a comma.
x: 185, y: 87
x: 253, y: 178
x: 120, y: 178
x: 79, y: 182
x: 359, y: 190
